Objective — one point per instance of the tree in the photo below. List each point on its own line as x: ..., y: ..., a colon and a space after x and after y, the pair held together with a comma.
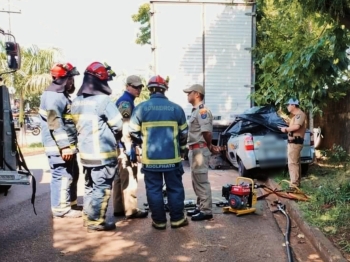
x: 143, y: 17
x: 299, y: 55
x: 339, y: 10
x: 34, y: 75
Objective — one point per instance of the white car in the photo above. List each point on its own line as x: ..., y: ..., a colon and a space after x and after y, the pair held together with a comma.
x: 255, y: 141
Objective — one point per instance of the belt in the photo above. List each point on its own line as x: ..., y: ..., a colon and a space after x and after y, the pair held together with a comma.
x: 198, y: 145
x: 296, y: 140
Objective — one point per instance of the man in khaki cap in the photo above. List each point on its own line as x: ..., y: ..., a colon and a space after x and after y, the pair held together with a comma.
x: 125, y: 185
x: 200, y: 149
x: 296, y: 132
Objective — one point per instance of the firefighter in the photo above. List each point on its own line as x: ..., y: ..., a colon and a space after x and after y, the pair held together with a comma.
x: 160, y: 126
x: 99, y: 124
x: 296, y: 132
x: 125, y: 184
x: 59, y: 137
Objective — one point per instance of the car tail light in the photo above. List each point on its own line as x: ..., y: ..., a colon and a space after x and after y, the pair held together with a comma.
x: 248, y: 143
x: 311, y: 139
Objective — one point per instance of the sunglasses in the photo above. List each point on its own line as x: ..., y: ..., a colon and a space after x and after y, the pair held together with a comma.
x: 136, y: 87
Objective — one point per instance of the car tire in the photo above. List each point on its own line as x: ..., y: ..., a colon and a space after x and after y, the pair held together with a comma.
x: 304, y: 169
x: 242, y: 171
x: 4, y: 188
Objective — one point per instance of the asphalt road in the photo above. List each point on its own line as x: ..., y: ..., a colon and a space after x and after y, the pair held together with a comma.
x: 25, y: 236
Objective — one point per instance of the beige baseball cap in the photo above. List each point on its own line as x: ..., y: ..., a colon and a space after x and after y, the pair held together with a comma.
x: 134, y: 80
x: 196, y: 87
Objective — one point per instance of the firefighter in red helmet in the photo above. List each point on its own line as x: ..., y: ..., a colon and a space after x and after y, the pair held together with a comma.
x: 59, y: 137
x: 160, y: 126
x: 99, y: 125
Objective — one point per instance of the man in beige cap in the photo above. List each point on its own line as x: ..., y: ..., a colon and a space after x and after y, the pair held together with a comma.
x: 200, y: 149
x: 125, y: 185
x: 296, y: 132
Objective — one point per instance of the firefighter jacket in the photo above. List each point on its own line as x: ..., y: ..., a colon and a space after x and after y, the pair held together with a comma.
x: 160, y: 126
x: 99, y: 124
x: 57, y: 127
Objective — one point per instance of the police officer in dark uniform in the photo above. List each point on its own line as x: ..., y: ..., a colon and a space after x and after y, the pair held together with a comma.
x: 125, y: 184
x: 296, y: 132
x: 200, y: 149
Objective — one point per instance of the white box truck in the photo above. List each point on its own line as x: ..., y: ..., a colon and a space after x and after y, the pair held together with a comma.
x: 208, y: 43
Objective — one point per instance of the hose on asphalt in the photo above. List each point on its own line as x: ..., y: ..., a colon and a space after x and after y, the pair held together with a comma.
x: 281, y: 208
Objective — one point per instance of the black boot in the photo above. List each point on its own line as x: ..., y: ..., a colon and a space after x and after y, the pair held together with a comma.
x: 101, y: 227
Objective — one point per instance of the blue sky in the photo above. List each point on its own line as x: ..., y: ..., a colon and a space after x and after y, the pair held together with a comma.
x: 85, y: 31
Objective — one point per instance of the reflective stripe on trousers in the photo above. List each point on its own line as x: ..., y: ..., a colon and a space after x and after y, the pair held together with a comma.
x: 64, y: 180
x: 98, y: 185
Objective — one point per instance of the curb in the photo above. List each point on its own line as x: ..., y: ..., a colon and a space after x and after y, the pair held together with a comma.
x: 321, y: 243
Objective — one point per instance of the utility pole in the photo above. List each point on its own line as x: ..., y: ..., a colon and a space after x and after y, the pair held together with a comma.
x: 9, y: 12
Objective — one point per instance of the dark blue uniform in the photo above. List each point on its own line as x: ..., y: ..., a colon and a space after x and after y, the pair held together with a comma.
x: 160, y: 126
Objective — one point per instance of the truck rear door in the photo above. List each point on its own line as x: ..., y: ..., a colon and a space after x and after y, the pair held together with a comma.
x: 210, y: 44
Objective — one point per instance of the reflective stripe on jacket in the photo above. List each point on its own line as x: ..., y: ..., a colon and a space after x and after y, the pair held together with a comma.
x: 160, y: 125
x: 57, y: 127
x: 98, y: 122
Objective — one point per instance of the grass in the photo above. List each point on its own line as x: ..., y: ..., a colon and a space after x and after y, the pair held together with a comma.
x: 32, y: 148
x: 328, y: 186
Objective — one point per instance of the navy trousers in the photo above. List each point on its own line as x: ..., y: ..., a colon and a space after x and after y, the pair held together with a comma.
x: 175, y: 194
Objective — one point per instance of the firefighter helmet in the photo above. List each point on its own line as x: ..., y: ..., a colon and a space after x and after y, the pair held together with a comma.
x: 101, y: 71
x: 62, y: 70
x: 157, y: 82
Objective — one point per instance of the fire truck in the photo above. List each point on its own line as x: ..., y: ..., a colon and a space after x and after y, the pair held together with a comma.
x: 13, y: 169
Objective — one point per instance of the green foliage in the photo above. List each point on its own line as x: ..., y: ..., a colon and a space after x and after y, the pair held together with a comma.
x: 338, y: 9
x: 299, y: 55
x: 34, y: 75
x: 336, y: 155
x: 35, y: 145
x: 143, y: 17
x: 144, y: 92
x: 329, y: 206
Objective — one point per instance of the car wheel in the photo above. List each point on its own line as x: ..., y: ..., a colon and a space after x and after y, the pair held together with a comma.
x: 304, y: 169
x: 4, y: 188
x: 242, y: 171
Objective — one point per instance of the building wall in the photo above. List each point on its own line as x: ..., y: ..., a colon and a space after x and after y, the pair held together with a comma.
x: 335, y: 124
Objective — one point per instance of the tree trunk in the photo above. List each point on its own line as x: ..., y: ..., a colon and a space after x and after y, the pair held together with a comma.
x: 311, y: 121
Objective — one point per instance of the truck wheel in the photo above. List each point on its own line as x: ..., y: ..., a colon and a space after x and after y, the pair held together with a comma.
x: 304, y: 169
x: 241, y: 169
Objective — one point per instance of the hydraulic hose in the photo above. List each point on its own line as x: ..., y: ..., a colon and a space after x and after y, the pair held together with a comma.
x: 287, y: 233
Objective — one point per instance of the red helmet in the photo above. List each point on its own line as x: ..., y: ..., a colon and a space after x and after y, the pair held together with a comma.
x: 62, y: 70
x: 101, y: 71
x: 157, y: 81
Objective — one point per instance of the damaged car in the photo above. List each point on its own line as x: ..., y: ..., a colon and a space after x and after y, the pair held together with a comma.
x: 254, y: 141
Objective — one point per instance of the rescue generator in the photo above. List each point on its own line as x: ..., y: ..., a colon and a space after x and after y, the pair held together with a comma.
x: 241, y: 198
